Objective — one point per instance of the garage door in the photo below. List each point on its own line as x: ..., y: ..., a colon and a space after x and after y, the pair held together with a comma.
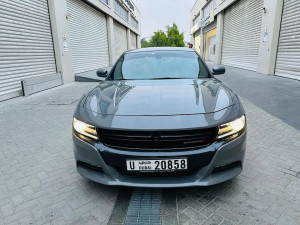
x: 133, y: 40
x: 26, y: 47
x: 197, y: 41
x: 241, y: 37
x: 120, y: 39
x: 88, y: 35
x: 288, y: 57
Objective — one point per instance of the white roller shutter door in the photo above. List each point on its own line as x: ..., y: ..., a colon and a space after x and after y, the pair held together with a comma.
x: 241, y: 36
x: 120, y: 40
x: 26, y: 46
x: 288, y: 57
x: 88, y: 35
x: 133, y: 40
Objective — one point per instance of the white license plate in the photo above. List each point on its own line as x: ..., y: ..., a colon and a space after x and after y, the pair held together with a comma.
x: 157, y: 165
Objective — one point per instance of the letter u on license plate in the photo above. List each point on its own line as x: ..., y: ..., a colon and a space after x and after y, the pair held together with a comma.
x: 157, y: 165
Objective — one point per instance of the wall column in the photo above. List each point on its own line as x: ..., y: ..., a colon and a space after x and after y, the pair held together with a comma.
x: 220, y: 29
x: 202, y: 43
x: 128, y: 39
x: 270, y: 29
x: 61, y: 39
x: 110, y: 38
x: 139, y: 41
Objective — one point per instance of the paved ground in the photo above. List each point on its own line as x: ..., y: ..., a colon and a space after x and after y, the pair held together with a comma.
x: 277, y: 95
x: 39, y: 183
x: 38, y: 180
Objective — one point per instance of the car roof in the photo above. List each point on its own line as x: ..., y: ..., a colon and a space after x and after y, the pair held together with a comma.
x: 155, y: 49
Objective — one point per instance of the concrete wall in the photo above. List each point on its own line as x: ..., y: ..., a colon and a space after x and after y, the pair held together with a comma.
x: 61, y: 36
x: 111, y: 39
x: 60, y: 33
x: 220, y: 28
x: 271, y: 27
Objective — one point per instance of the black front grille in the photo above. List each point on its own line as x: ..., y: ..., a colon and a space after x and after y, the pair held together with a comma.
x: 157, y: 140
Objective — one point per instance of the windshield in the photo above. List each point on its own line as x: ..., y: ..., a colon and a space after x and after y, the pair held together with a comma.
x: 159, y: 65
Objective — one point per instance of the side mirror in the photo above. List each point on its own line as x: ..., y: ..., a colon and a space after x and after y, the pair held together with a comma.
x: 218, y: 70
x: 102, y: 73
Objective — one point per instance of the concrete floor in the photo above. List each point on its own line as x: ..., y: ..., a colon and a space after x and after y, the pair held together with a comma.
x: 277, y: 95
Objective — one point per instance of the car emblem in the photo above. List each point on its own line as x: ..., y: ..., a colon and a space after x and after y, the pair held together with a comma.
x: 156, y: 139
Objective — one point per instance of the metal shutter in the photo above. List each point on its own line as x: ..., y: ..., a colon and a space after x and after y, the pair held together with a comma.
x: 210, y: 27
x: 88, y: 35
x: 26, y: 46
x: 241, y: 36
x: 197, y: 41
x: 120, y: 39
x: 288, y: 56
x: 133, y: 40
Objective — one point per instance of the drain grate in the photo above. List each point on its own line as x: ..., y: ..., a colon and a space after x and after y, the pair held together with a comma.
x: 144, y: 207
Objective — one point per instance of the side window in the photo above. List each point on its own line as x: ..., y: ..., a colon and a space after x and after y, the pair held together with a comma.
x: 117, y: 73
x: 203, y: 73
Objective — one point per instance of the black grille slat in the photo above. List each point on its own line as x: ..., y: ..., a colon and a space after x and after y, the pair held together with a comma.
x: 128, y: 136
x: 180, y: 133
x: 125, y: 139
x: 157, y: 140
x: 186, y: 138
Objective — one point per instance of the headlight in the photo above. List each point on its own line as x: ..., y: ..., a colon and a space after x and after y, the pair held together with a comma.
x: 85, y: 129
x: 231, y: 128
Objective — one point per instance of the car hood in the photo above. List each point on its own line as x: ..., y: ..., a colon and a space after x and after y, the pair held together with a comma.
x: 158, y: 97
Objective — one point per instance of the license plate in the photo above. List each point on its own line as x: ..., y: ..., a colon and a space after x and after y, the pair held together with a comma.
x: 157, y: 165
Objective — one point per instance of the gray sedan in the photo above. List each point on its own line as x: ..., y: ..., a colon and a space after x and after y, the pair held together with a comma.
x: 160, y: 119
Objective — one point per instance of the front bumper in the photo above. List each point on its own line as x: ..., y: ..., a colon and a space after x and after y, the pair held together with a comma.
x: 217, y: 163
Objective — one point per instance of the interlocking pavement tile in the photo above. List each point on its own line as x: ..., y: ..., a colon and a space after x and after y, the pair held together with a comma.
x: 276, y: 210
x: 287, y: 220
x: 16, y: 216
x: 17, y: 199
x: 183, y: 219
x: 7, y: 210
x: 209, y: 209
x: 214, y: 219
x: 181, y: 206
x: 226, y: 222
x: 207, y: 198
x: 194, y: 215
x: 26, y: 220
x: 234, y: 218
x: 193, y: 204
